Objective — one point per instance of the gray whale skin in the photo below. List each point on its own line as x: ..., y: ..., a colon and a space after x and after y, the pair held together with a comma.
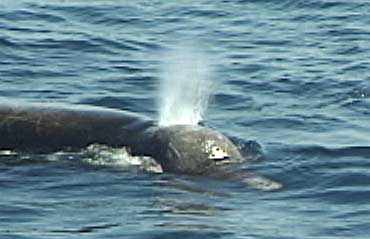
x: 179, y: 149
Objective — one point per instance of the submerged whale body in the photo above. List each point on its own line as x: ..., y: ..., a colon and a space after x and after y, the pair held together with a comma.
x: 180, y: 149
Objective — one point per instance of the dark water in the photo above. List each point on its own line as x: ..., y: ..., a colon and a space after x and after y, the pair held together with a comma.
x: 291, y: 75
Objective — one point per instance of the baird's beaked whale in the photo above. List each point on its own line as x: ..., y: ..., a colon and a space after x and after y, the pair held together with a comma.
x: 180, y: 149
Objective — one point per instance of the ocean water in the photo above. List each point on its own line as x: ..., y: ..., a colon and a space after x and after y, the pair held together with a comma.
x: 290, y: 76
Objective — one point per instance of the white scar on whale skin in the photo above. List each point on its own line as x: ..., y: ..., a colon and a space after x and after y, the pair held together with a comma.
x: 185, y: 86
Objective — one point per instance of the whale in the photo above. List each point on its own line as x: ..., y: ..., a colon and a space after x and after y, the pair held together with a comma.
x: 179, y: 149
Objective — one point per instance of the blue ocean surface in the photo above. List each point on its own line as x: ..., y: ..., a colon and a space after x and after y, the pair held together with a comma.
x: 290, y: 76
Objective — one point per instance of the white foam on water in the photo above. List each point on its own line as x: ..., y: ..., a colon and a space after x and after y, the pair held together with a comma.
x: 106, y: 156
x: 95, y: 154
x: 103, y: 155
x: 185, y: 86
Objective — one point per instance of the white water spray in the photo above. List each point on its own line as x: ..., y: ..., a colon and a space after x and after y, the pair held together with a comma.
x: 185, y: 86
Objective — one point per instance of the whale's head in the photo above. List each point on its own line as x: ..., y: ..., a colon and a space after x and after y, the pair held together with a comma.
x: 188, y: 149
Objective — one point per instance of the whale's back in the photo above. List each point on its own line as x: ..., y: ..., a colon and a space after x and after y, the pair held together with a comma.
x: 39, y: 128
